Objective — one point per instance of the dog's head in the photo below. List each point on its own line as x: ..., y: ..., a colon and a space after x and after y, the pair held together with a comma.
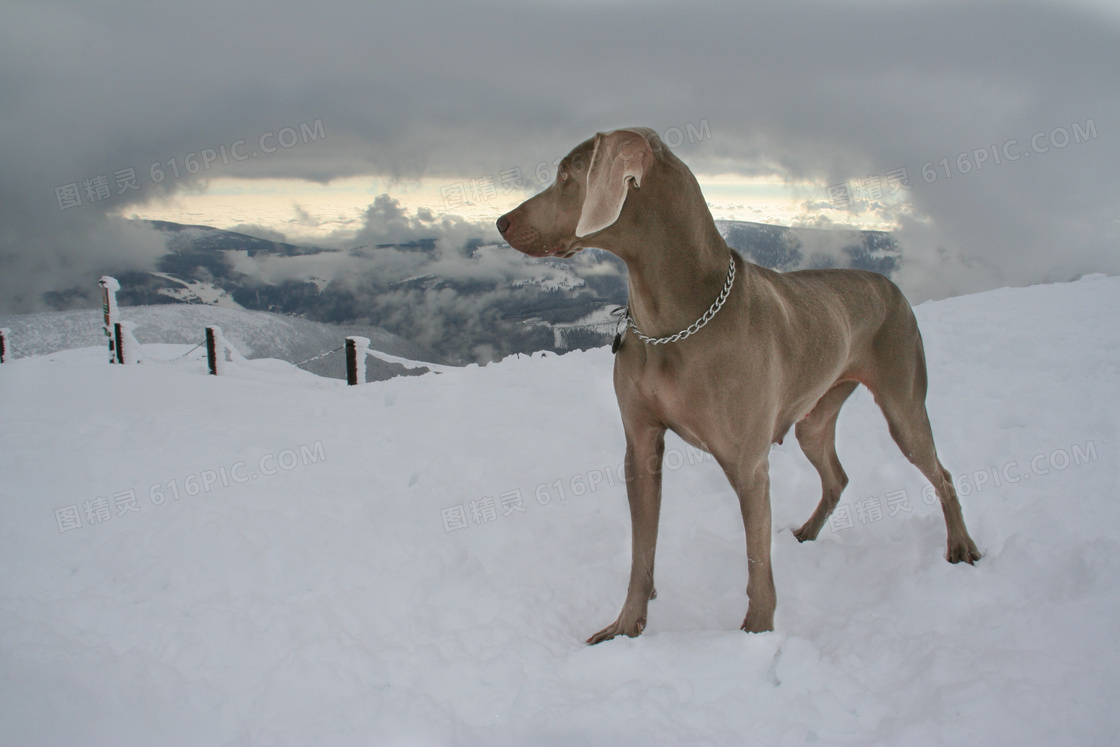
x: 587, y: 197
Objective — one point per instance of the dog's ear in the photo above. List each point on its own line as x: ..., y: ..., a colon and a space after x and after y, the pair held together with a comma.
x: 617, y: 157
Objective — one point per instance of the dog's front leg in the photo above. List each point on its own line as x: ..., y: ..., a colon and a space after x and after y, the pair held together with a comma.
x: 751, y: 480
x: 644, y: 453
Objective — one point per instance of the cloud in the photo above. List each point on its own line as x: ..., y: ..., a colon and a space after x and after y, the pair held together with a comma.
x: 44, y: 259
x: 447, y: 247
x: 386, y: 221
x: 813, y: 92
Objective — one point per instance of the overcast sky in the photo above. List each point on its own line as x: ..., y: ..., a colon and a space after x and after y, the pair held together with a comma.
x: 1013, y: 110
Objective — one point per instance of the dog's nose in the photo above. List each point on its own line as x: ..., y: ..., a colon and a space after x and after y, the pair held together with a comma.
x: 503, y: 225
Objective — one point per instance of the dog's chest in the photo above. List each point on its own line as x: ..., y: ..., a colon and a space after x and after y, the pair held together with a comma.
x: 682, y: 397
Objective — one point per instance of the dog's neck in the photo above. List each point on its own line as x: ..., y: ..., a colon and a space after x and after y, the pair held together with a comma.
x: 677, y: 263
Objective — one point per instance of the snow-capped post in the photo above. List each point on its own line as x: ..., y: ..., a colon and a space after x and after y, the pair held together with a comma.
x: 356, y: 350
x: 4, y: 334
x: 109, y: 288
x: 217, y: 346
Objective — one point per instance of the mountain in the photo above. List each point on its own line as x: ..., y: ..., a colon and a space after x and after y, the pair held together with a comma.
x: 196, y: 268
x: 475, y: 302
x: 784, y: 248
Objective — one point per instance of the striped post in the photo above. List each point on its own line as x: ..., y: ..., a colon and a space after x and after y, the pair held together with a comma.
x: 109, y: 288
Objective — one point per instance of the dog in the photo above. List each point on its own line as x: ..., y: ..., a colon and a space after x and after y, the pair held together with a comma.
x: 727, y: 354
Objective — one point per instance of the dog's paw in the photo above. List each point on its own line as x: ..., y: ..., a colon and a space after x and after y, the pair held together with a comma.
x: 808, y: 532
x: 963, y: 551
x: 758, y: 623
x: 617, y: 628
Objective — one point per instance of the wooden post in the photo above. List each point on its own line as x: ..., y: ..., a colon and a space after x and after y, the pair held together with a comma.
x: 4, y: 332
x: 212, y: 351
x: 356, y: 350
x: 120, y: 343
x: 351, y: 362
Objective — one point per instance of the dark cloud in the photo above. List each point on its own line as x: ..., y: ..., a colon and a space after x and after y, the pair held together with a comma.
x: 808, y: 91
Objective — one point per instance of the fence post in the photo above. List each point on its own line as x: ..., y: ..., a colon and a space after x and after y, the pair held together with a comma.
x: 356, y: 350
x: 4, y: 332
x: 120, y: 342
x: 212, y: 351
x: 351, y: 362
x: 109, y: 288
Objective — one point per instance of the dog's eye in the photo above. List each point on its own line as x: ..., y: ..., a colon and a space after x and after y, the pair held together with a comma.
x: 562, y: 176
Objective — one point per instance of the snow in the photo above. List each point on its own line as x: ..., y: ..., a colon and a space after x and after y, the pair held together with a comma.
x: 406, y: 363
x: 207, y: 293
x: 556, y: 280
x: 277, y: 559
x: 602, y: 319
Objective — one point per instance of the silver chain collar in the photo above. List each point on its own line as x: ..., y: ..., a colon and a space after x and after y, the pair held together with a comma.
x: 692, y: 328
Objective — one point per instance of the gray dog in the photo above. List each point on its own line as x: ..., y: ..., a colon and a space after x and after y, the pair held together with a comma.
x: 728, y: 354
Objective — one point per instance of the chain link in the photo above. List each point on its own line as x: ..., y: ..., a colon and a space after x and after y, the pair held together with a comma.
x: 695, y: 326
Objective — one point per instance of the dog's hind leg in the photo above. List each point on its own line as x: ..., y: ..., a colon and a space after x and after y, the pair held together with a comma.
x: 899, y: 387
x: 910, y: 429
x: 816, y: 433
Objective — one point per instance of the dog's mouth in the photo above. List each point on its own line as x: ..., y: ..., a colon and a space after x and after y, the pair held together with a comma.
x: 528, y: 240
x: 565, y: 253
x: 564, y: 250
x: 532, y: 244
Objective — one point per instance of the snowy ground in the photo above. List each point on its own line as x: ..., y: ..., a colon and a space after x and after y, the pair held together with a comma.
x: 306, y: 563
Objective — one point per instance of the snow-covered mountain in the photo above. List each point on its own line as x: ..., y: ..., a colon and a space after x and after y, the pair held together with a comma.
x: 475, y: 302
x: 255, y: 334
x: 784, y: 248
x: 273, y: 558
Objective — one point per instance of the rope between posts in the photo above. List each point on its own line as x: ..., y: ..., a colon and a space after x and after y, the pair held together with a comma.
x: 324, y: 355
x: 196, y: 347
